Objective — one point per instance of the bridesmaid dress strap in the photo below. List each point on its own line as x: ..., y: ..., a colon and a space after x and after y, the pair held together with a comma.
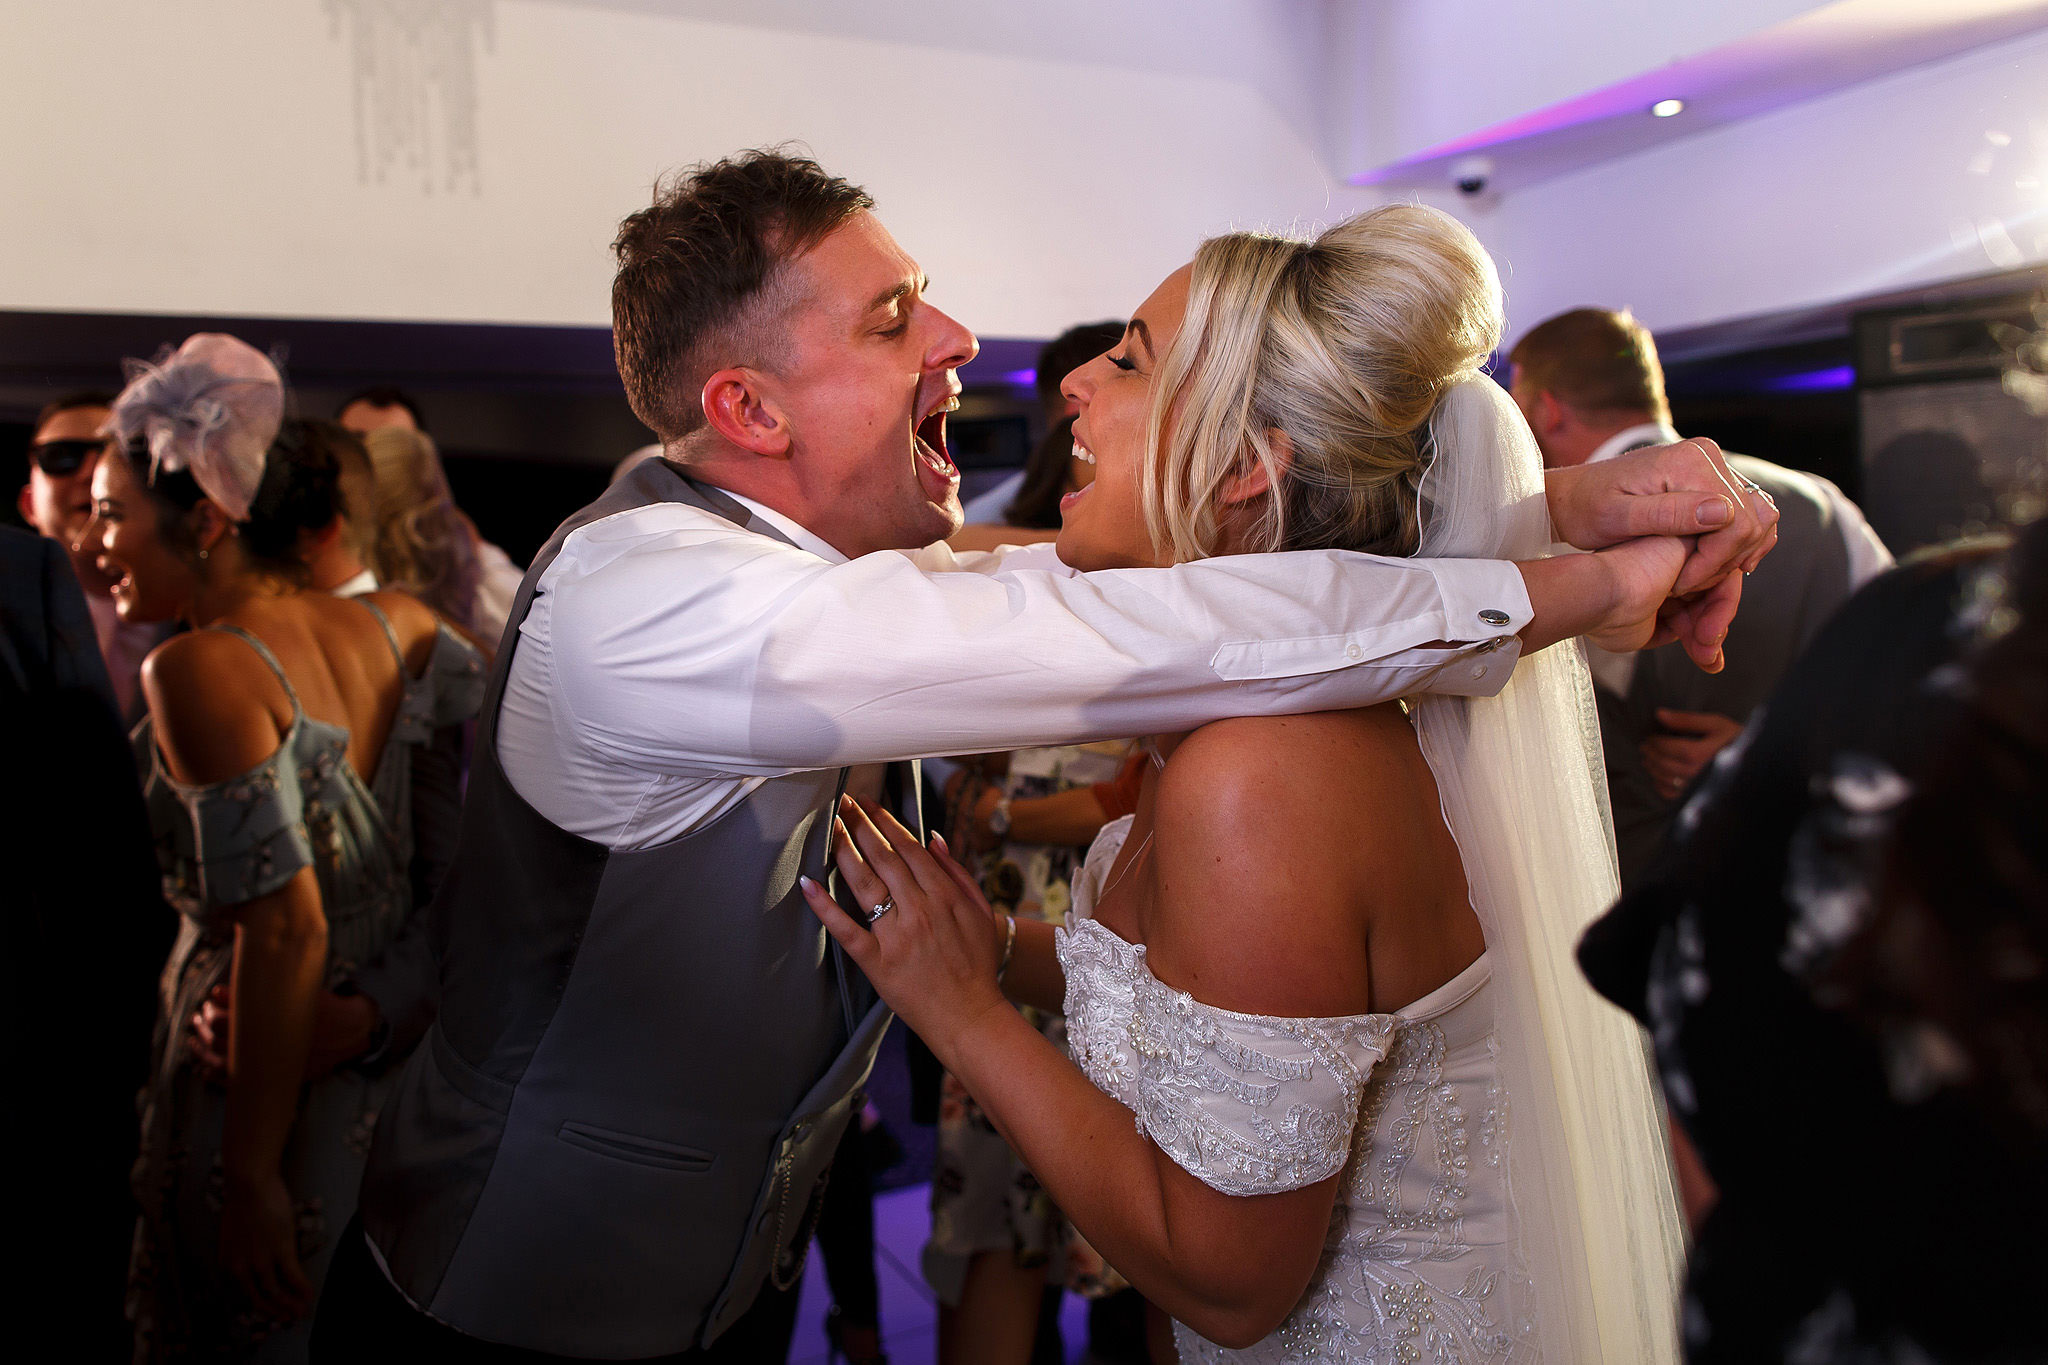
x: 263, y: 653
x: 390, y: 637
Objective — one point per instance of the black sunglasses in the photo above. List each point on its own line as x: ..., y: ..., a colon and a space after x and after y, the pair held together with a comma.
x: 59, y: 458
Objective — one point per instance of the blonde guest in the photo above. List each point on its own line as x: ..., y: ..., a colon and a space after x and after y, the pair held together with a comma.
x: 427, y: 546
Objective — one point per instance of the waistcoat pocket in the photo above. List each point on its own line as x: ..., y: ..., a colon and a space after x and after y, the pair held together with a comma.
x: 641, y: 1151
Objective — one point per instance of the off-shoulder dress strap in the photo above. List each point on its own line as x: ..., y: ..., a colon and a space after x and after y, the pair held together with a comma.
x: 263, y: 653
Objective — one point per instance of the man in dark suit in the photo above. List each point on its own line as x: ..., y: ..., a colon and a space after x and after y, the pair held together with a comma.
x: 87, y: 932
x: 1591, y: 385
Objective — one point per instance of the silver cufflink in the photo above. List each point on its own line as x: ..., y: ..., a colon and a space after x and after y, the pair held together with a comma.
x: 1493, y: 617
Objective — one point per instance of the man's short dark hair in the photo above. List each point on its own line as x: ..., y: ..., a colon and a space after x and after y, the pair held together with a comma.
x: 693, y: 265
x: 1594, y: 360
x: 72, y: 402
x: 1069, y: 351
x: 384, y: 396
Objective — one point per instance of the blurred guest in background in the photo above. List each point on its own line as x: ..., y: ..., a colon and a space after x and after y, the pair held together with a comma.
x: 1591, y: 385
x: 381, y: 406
x: 1840, y: 957
x: 425, y: 544
x: 1068, y: 351
x: 275, y: 766
x: 57, y: 501
x: 334, y: 554
x: 1000, y: 1253
x: 87, y: 932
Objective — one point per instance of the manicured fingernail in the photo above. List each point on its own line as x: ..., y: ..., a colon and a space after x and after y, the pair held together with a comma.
x: 1714, y: 511
x: 807, y: 884
x: 939, y: 842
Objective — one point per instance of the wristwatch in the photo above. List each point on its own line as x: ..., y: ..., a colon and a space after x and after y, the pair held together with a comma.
x: 999, y: 818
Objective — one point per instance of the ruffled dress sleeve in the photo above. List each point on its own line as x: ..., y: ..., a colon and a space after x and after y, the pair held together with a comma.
x: 1250, y: 1104
x: 225, y: 843
x: 449, y: 692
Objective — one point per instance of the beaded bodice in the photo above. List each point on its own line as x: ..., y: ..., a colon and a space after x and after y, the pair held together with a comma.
x: 1417, y: 1266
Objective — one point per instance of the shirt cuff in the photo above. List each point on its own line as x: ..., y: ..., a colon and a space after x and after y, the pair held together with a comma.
x: 1483, y: 599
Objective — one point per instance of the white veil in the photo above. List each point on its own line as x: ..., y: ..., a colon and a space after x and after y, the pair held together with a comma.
x: 1524, y: 793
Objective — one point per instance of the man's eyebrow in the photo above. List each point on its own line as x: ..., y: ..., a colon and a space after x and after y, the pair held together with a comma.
x: 903, y: 289
x: 1140, y: 332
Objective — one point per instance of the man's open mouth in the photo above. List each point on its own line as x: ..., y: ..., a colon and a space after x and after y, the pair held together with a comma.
x: 936, y: 469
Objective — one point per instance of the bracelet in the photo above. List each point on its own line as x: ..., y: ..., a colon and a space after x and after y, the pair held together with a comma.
x: 1009, y: 946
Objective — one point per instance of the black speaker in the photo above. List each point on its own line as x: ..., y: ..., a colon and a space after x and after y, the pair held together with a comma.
x: 1944, y: 446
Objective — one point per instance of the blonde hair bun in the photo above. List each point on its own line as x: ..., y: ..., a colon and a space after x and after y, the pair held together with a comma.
x: 1343, y: 345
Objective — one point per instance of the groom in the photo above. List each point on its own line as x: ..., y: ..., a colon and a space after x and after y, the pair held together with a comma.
x: 612, y: 1142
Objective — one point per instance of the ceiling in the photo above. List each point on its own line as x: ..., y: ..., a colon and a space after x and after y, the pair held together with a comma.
x: 1804, y: 58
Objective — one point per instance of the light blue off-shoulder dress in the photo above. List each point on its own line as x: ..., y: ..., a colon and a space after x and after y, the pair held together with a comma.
x: 220, y: 845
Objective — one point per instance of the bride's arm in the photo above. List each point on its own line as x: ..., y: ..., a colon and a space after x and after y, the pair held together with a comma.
x: 1229, y: 1266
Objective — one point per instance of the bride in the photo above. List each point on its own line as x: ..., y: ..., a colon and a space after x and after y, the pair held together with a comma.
x: 1337, y: 1090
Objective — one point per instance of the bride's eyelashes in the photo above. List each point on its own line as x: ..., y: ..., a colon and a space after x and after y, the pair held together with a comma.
x: 1122, y: 362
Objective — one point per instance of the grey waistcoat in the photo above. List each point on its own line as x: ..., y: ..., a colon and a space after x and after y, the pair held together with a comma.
x: 1784, y: 604
x: 618, y: 1127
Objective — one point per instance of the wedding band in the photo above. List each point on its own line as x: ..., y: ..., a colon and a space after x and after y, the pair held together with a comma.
x: 884, y: 908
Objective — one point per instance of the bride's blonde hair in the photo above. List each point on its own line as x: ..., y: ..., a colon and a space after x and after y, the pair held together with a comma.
x: 1343, y: 345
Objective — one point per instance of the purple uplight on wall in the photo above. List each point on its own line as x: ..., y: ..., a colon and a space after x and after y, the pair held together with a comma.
x: 1814, y: 381
x: 1023, y: 379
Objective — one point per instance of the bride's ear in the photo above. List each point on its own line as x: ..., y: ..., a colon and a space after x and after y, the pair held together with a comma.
x: 1252, y: 480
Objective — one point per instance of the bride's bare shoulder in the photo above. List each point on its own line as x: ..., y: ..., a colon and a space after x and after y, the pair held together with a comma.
x: 1258, y: 824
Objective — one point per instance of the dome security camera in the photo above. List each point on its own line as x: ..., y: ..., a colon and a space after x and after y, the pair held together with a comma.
x: 1471, y: 175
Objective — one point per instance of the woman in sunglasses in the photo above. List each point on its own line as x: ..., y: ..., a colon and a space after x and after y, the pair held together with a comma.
x: 276, y: 762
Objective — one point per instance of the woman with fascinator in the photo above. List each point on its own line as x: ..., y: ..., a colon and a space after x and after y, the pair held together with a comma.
x: 1337, y: 1092
x: 275, y: 763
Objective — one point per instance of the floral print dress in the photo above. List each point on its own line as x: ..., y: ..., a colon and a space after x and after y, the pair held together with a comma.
x: 220, y: 845
x: 983, y: 1197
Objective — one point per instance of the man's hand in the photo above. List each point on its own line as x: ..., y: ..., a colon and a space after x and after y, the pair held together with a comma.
x: 1674, y: 760
x: 1684, y: 489
x: 1621, y: 598
x: 343, y: 1027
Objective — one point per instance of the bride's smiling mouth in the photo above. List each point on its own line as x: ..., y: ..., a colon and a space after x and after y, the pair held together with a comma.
x: 1085, y: 456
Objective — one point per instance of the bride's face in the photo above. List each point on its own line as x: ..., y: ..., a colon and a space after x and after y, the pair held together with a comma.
x: 1103, y: 524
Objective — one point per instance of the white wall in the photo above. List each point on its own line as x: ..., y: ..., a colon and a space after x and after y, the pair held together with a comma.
x: 469, y: 159
x: 1888, y: 185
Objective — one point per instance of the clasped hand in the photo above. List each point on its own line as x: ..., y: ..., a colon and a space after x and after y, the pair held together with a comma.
x: 933, y: 954
x: 1726, y: 524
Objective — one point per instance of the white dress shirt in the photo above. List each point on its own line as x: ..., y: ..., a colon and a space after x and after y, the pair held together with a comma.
x: 1867, y: 555
x: 672, y: 661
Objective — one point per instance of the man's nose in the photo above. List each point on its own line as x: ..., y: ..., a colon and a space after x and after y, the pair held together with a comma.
x: 952, y: 346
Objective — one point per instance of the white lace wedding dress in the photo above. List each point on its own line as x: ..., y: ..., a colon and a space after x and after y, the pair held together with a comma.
x: 1418, y: 1265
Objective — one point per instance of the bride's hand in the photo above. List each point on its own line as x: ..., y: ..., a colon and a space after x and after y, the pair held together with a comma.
x: 933, y: 953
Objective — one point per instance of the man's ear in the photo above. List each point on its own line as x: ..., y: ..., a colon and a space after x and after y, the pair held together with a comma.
x: 26, y: 505
x: 1550, y: 416
x: 737, y: 410
x: 1250, y: 482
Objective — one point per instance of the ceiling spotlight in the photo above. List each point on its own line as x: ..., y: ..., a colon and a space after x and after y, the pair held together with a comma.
x: 1666, y: 108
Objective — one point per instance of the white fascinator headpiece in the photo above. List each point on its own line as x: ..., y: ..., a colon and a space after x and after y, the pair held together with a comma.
x: 212, y: 407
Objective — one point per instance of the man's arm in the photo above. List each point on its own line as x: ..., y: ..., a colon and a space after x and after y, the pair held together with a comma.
x: 707, y: 652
